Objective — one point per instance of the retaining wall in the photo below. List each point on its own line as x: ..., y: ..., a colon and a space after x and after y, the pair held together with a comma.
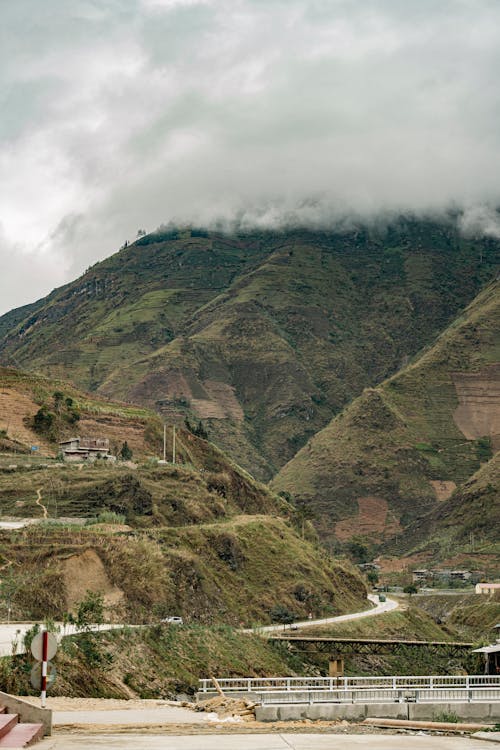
x: 480, y: 712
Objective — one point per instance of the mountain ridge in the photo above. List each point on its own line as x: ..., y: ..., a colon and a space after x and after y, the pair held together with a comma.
x: 400, y: 449
x: 264, y: 336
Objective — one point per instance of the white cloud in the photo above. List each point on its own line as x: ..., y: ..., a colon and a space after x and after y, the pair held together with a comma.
x: 131, y: 113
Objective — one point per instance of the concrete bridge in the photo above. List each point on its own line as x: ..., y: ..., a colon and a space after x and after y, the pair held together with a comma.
x: 475, y: 697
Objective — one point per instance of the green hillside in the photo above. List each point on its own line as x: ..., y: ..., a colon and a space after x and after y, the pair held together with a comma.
x: 465, y: 527
x: 200, y: 537
x: 399, y: 450
x: 264, y: 336
x: 236, y: 570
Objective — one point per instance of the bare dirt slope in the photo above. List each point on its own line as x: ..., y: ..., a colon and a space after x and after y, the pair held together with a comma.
x: 15, y: 409
x: 478, y: 410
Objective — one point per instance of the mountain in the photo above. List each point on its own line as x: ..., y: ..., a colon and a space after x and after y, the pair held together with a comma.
x: 264, y: 336
x: 199, y: 537
x: 401, y: 449
x: 463, y: 530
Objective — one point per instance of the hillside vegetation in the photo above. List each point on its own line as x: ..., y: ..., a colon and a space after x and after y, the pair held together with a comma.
x: 162, y: 661
x: 410, y: 622
x: 472, y: 616
x: 463, y: 530
x: 234, y: 571
x: 264, y: 336
x: 200, y: 538
x: 400, y: 449
x: 67, y: 412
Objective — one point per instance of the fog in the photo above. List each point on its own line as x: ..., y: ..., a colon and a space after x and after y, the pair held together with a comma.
x: 127, y: 114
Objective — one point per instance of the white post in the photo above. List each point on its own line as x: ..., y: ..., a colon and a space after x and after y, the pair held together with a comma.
x: 164, y: 442
x: 173, y: 445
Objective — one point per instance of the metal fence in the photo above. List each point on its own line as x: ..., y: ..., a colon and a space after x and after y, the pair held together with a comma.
x: 387, y: 689
x: 429, y: 684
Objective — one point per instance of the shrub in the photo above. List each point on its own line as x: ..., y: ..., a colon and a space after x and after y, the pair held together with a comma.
x: 448, y: 717
x: 43, y: 420
x: 125, y: 452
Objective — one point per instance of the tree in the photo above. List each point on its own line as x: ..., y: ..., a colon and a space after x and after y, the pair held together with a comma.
x: 280, y: 613
x: 410, y: 589
x: 197, y: 430
x: 125, y: 452
x: 372, y: 577
x: 58, y: 397
x: 358, y: 551
x: 303, y: 513
x: 90, y: 611
x: 43, y: 420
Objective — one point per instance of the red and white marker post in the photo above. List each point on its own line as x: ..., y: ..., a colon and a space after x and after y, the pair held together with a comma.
x: 45, y: 649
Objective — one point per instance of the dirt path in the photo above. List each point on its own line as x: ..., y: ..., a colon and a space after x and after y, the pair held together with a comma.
x: 40, y: 504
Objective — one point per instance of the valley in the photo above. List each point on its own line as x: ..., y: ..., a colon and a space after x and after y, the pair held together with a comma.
x: 355, y: 374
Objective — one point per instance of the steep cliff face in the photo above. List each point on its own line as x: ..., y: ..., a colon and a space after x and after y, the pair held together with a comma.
x: 264, y: 336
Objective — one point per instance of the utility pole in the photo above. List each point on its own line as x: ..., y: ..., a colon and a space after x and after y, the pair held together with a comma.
x: 173, y: 444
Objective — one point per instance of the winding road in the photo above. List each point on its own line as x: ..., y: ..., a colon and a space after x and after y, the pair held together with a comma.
x: 10, y: 633
x: 380, y: 608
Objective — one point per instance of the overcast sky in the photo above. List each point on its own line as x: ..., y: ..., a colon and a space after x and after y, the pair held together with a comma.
x: 124, y: 114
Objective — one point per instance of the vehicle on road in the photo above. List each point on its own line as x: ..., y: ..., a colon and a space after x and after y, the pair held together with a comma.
x: 173, y: 620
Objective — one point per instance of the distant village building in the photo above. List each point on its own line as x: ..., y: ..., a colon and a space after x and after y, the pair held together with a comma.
x: 85, y: 449
x: 421, y: 576
x: 428, y: 576
x: 491, y: 653
x: 487, y: 588
x: 460, y: 575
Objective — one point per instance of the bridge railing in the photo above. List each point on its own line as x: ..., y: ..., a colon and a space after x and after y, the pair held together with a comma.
x: 431, y: 683
x: 473, y: 695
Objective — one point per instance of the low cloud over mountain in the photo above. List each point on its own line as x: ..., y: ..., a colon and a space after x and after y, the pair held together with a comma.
x: 125, y: 115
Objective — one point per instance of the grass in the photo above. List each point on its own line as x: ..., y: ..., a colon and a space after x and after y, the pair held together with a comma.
x: 471, y: 513
x: 447, y: 717
x: 472, y: 616
x: 413, y: 623
x: 154, y: 662
x: 232, y: 571
x: 410, y: 624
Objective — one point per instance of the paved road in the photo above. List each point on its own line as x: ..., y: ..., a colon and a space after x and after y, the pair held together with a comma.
x: 379, y: 609
x: 15, y: 631
x: 160, y: 715
x: 259, y: 742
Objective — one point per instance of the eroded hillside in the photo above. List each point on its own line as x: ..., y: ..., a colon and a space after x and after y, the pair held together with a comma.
x: 400, y: 450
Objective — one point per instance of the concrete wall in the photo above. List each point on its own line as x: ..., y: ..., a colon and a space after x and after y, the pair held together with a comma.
x: 480, y: 712
x: 27, y: 712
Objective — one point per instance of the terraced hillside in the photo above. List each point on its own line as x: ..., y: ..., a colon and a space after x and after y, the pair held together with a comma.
x: 68, y: 412
x: 264, y: 336
x: 462, y: 531
x: 400, y: 450
x: 200, y: 538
